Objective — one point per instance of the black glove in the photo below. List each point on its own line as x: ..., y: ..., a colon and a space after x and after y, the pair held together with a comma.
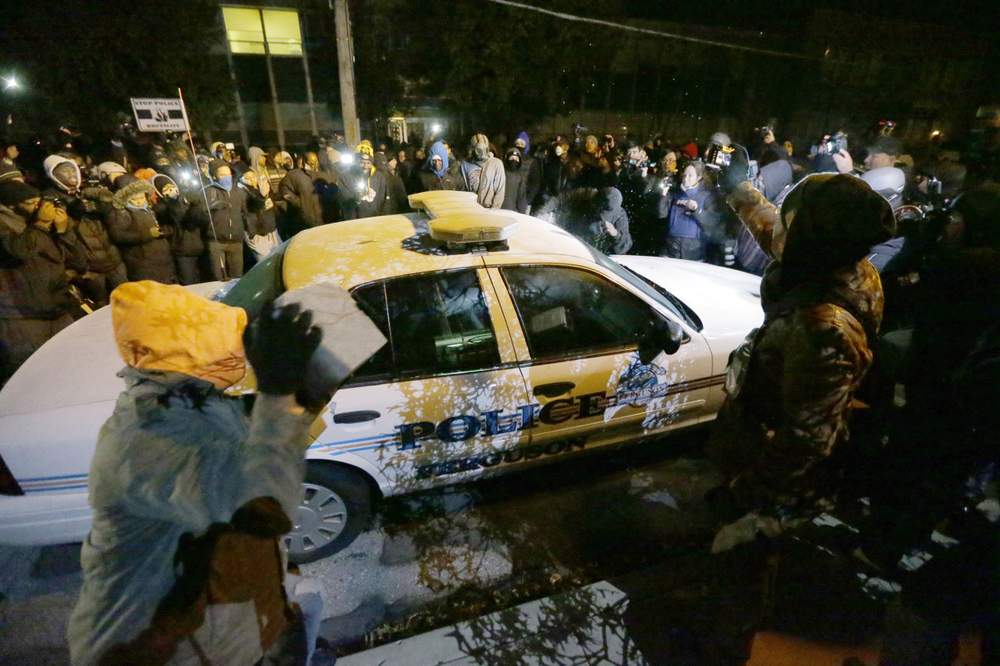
x: 279, y: 344
x: 737, y: 172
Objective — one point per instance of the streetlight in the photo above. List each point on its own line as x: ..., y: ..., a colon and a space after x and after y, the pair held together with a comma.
x: 436, y: 127
x: 11, y: 83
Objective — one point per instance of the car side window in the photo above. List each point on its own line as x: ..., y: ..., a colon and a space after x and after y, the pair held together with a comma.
x: 436, y: 323
x: 566, y: 311
x: 371, y: 300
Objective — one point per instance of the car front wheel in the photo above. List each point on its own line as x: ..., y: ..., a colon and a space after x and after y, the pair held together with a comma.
x: 335, y: 508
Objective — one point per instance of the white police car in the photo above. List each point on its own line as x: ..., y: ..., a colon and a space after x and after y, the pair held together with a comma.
x: 511, y: 343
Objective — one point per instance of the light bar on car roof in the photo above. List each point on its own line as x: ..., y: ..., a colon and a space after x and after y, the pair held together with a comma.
x: 470, y: 227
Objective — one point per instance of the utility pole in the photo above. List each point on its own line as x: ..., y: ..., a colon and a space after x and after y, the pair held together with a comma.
x: 345, y: 66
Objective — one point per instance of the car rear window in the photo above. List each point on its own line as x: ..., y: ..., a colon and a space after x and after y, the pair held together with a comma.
x: 437, y: 323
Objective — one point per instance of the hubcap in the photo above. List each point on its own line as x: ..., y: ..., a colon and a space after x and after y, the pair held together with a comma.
x: 319, y: 519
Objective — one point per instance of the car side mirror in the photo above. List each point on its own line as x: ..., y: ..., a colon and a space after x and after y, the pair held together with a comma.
x: 663, y: 335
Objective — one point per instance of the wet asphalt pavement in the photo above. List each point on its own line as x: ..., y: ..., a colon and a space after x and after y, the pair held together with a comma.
x: 446, y: 555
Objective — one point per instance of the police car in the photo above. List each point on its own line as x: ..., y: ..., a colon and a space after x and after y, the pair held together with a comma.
x: 511, y: 343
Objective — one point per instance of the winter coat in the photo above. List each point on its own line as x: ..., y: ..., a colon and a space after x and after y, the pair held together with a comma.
x: 298, y: 189
x: 185, y: 230
x: 775, y: 437
x: 227, y: 216
x: 354, y: 204
x: 431, y: 181
x: 700, y: 223
x: 618, y: 218
x: 492, y: 183
x: 260, y: 219
x: 182, y: 476
x: 397, y: 201
x: 91, y: 234
x: 147, y: 256
x: 33, y: 264
x: 515, y: 195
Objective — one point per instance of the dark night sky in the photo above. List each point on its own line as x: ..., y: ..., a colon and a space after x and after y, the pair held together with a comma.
x: 790, y: 15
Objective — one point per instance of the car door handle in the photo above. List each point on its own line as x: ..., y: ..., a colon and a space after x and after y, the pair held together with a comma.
x: 554, y: 389
x: 356, y: 417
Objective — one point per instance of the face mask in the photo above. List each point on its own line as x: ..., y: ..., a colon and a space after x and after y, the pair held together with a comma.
x: 226, y: 182
x: 132, y: 206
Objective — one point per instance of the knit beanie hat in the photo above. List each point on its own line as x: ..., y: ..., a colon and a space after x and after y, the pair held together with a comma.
x: 13, y: 192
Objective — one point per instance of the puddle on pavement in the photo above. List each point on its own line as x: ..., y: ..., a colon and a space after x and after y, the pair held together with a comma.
x: 560, y: 527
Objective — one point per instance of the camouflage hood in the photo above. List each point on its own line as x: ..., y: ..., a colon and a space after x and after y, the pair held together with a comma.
x: 831, y: 222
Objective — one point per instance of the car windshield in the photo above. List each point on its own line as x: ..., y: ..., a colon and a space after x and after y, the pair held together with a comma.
x: 651, y: 289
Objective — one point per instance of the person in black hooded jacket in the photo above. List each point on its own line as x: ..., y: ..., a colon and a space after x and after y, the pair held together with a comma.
x: 515, y: 195
x: 173, y: 210
x: 262, y: 230
x: 224, y: 222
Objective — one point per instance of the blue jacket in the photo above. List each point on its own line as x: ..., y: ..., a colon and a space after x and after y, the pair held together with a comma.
x: 683, y: 223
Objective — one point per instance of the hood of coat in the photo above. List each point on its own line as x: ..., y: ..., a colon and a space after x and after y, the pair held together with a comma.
x: 167, y: 328
x: 512, y: 164
x: 254, y: 155
x: 160, y: 181
x: 832, y: 221
x: 479, y: 149
x: 438, y: 150
x: 128, y: 186
x: 523, y: 136
x: 614, y: 199
x: 53, y: 161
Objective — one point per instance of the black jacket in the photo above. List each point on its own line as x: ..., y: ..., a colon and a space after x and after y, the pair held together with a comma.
x: 185, y: 227
x: 354, y: 203
x: 147, y: 256
x: 298, y: 189
x: 33, y: 281
x: 430, y: 181
x: 260, y: 219
x: 515, y: 194
x: 91, y: 234
x: 227, y: 214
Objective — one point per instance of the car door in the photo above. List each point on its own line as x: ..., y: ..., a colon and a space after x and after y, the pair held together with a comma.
x: 440, y: 401
x: 577, y: 342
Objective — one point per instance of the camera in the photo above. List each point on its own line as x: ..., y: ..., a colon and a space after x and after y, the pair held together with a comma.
x: 719, y: 157
x: 933, y: 186
x: 833, y: 144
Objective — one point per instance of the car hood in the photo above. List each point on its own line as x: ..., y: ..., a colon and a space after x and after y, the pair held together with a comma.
x: 727, y: 301
x: 77, y: 366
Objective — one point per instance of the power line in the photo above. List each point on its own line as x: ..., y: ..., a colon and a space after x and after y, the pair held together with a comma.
x: 656, y: 33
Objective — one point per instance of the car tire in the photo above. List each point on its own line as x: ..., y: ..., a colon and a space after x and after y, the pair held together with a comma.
x: 336, y: 507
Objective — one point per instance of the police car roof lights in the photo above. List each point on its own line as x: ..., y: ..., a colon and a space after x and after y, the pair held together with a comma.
x: 469, y: 228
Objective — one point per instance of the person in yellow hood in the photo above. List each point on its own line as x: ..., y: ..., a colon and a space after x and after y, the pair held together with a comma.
x: 190, y: 493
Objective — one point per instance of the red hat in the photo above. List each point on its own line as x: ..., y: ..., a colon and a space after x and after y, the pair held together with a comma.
x: 690, y: 150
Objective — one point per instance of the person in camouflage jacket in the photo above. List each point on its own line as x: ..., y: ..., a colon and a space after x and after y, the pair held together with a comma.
x: 823, y: 302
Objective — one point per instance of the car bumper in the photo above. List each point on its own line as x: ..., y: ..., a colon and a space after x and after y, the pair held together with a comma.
x: 43, y: 519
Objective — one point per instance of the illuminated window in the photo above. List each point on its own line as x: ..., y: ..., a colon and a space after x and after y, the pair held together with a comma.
x: 245, y: 31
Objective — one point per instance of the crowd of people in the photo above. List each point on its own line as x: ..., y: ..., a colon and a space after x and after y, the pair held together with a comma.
x: 82, y: 219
